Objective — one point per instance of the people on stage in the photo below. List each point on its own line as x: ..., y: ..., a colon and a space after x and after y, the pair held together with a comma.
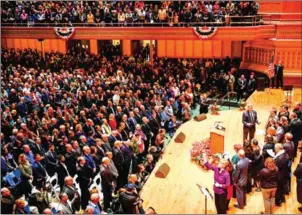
x: 249, y: 120
x: 221, y: 184
x: 278, y: 75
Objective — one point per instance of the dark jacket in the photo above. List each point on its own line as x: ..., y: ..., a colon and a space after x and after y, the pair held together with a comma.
x: 62, y: 173
x: 298, y: 174
x: 7, y: 204
x: 241, y: 173
x: 282, y: 164
x: 295, y: 128
x: 118, y: 158
x: 268, y: 178
x: 127, y: 201
x: 84, y: 175
x: 289, y: 149
x: 71, y: 163
x: 51, y: 163
x: 107, y: 178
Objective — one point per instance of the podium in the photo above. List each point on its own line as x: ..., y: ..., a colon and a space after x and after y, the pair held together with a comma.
x: 217, y: 140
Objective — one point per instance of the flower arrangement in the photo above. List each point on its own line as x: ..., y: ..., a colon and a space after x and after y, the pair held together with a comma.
x: 200, y: 150
x: 242, y: 104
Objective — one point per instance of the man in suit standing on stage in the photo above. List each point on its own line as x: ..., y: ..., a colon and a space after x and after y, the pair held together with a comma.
x: 240, y: 177
x: 279, y: 74
x: 249, y: 120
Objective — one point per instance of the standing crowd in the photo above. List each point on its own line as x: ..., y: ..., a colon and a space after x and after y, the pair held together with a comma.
x: 267, y: 168
x: 124, y: 13
x: 77, y: 128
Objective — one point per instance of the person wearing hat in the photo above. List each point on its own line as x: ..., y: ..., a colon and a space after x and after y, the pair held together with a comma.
x: 128, y: 200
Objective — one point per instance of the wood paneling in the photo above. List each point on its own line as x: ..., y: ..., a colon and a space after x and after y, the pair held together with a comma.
x: 179, y: 48
x: 93, y: 47
x: 126, y: 47
x: 170, y: 48
x: 217, y: 48
x: 198, y: 48
x: 207, y: 48
x: 194, y: 49
x: 188, y: 46
x: 146, y: 33
x: 236, y: 48
x: 161, y: 47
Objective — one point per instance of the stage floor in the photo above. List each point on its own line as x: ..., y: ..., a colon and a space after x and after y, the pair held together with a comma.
x: 178, y: 192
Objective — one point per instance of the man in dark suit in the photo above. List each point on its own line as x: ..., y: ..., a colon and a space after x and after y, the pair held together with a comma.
x: 114, y: 137
x: 70, y: 160
x: 118, y: 159
x: 241, y: 87
x: 72, y: 193
x: 249, y: 120
x: 62, y: 170
x: 289, y: 149
x: 22, y: 108
x: 84, y: 175
x: 100, y: 150
x: 147, y: 131
x: 106, y: 145
x: 295, y: 128
x: 251, y: 85
x: 89, y: 160
x: 279, y: 74
x: 154, y: 125
x: 51, y: 160
x: 282, y: 161
x: 37, y: 148
x: 39, y: 172
x: 110, y: 108
x: 240, y: 179
x: 107, y: 182
x: 132, y: 121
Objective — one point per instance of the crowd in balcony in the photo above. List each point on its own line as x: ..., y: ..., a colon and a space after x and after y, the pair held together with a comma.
x: 125, y: 13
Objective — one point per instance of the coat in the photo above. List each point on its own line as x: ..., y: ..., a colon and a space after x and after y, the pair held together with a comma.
x: 298, y: 174
x: 241, y: 174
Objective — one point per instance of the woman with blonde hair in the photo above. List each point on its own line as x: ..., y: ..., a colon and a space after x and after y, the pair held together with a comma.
x: 26, y: 175
x: 268, y: 178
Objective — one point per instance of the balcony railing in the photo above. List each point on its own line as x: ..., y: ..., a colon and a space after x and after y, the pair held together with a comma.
x: 229, y: 21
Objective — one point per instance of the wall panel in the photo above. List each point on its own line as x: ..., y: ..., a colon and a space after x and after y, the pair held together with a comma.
x: 207, y: 48
x: 197, y: 48
x: 236, y: 48
x: 226, y: 48
x: 161, y: 48
x: 179, y: 48
x: 17, y: 44
x: 217, y: 48
x: 4, y: 43
x: 170, y: 48
x: 189, y: 48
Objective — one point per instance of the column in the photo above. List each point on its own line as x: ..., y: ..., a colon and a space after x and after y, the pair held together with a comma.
x: 93, y: 47
x: 151, y: 52
x: 126, y: 46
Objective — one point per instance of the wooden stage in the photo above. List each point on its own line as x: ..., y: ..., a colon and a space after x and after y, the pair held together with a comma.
x: 178, y: 192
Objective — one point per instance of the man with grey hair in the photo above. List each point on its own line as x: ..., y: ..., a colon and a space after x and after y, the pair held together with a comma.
x: 282, y: 160
x: 249, y: 120
x: 240, y: 179
x: 107, y: 182
x: 95, y: 203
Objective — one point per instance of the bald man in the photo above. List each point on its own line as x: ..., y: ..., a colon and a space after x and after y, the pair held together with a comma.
x: 7, y: 201
x: 95, y: 203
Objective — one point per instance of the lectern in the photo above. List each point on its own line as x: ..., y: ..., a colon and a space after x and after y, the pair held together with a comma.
x: 217, y: 140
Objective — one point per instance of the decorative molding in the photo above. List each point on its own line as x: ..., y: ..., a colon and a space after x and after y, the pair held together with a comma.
x: 131, y: 33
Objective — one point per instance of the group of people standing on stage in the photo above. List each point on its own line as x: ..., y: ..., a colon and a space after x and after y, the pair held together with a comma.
x: 268, y: 169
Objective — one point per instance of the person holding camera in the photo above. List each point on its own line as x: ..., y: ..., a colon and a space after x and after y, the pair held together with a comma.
x: 128, y: 200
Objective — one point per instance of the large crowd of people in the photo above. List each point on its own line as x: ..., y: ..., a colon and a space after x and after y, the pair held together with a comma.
x: 69, y: 121
x: 124, y: 13
x: 78, y: 127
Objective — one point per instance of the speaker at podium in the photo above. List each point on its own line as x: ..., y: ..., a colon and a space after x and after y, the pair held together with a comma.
x: 217, y: 133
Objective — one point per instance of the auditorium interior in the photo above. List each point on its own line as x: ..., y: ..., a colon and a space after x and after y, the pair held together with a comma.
x: 151, y: 107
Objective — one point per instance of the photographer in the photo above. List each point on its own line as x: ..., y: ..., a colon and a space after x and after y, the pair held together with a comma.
x: 128, y: 200
x: 150, y: 210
